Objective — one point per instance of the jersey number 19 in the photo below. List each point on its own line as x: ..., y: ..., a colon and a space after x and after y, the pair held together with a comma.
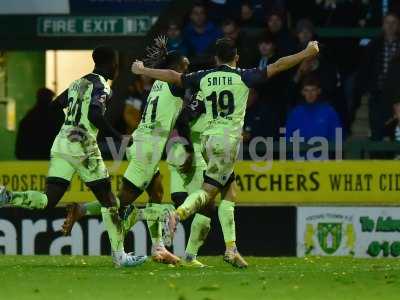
x: 223, y: 103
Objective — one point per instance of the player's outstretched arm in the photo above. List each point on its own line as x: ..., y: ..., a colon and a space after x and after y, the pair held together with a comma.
x: 169, y: 76
x: 290, y: 61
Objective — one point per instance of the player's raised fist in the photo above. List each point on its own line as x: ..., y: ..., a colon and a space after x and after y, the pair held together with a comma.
x: 312, y: 48
x: 137, y: 67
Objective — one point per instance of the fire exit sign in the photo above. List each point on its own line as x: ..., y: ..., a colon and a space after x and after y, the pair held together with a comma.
x: 94, y: 25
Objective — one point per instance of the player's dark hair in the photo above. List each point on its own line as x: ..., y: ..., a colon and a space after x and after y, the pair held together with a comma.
x: 225, y: 50
x: 311, y: 81
x: 158, y: 55
x: 103, y: 55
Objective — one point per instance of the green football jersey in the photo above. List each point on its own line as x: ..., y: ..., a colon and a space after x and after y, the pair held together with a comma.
x: 78, y: 135
x: 164, y: 104
x: 195, y: 115
x: 225, y: 91
x: 199, y: 120
x: 197, y: 128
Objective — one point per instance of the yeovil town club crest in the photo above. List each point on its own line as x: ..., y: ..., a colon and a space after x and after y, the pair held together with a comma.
x: 334, y: 234
x: 329, y: 236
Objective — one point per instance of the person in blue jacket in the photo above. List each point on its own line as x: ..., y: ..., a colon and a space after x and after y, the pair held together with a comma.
x: 313, y: 118
x: 200, y: 33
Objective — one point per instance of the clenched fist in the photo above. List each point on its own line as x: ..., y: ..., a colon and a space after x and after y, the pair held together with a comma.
x: 312, y: 48
x: 137, y: 67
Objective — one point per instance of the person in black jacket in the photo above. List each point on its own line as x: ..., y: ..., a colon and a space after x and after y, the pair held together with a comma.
x: 374, y: 70
x: 245, y: 45
x: 38, y: 128
x: 277, y: 28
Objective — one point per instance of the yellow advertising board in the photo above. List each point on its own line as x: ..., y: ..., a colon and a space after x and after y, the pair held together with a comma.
x: 363, y: 182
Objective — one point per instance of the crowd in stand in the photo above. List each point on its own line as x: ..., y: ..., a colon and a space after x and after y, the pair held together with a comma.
x: 320, y: 95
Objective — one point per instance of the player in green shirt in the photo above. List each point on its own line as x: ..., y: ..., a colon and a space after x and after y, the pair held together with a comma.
x: 75, y: 150
x: 225, y: 89
x: 185, y: 148
x: 164, y: 105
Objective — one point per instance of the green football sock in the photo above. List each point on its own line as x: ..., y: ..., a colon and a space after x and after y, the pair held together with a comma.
x: 92, y: 208
x: 198, y: 233
x: 149, y: 214
x: 153, y: 212
x: 29, y: 200
x: 154, y: 225
x: 227, y: 221
x: 113, y: 225
x: 194, y: 202
x: 131, y: 220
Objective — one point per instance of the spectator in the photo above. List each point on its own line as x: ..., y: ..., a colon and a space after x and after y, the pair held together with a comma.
x: 175, y: 39
x: 317, y: 67
x: 305, y: 32
x: 251, y: 10
x: 246, y: 50
x: 247, y: 16
x: 391, y: 87
x: 373, y: 73
x: 38, y: 129
x: 254, y: 121
x: 272, y: 5
x: 267, y: 50
x: 276, y: 27
x: 334, y: 13
x: 221, y: 9
x: 346, y: 13
x: 200, y: 33
x: 269, y: 111
x: 330, y: 82
x: 314, y: 118
x: 392, y: 126
x: 303, y: 9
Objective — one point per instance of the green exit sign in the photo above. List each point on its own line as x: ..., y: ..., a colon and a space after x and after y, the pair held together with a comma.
x: 94, y: 25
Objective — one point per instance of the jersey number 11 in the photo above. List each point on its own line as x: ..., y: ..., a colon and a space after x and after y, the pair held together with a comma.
x: 154, y: 103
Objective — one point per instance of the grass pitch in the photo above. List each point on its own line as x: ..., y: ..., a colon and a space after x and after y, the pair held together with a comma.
x: 44, y: 277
